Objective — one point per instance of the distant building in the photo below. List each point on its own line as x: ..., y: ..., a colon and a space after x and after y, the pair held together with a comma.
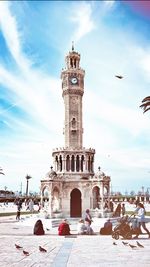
x: 72, y: 186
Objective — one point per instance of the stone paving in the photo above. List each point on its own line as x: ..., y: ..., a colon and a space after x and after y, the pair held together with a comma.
x: 86, y: 251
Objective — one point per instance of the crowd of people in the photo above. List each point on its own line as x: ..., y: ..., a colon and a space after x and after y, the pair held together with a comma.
x: 84, y: 225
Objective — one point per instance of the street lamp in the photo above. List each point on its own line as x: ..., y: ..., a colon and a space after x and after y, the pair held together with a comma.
x: 28, y: 177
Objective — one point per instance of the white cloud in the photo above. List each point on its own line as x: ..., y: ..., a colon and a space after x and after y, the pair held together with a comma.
x: 109, y: 3
x: 82, y: 16
x: 8, y: 26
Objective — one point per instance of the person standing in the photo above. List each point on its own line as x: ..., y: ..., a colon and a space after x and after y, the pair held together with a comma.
x: 88, y: 217
x: 18, y: 213
x: 123, y: 210
x: 118, y: 210
x: 141, y: 219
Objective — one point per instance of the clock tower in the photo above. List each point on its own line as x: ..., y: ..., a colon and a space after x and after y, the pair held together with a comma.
x: 72, y: 186
x: 72, y: 90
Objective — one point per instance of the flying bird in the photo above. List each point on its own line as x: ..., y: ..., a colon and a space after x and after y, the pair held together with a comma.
x: 146, y: 104
x: 42, y: 249
x: 47, y: 229
x: 119, y: 76
x: 1, y: 171
x: 17, y: 246
x: 132, y: 246
x: 139, y: 245
x: 125, y: 243
x: 26, y: 253
x: 114, y: 244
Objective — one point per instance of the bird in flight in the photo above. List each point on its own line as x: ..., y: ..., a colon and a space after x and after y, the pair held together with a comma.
x: 139, y: 245
x: 1, y: 171
x: 145, y: 104
x: 17, y: 246
x: 42, y: 249
x: 114, y: 244
x: 26, y: 253
x: 119, y: 76
x: 125, y: 243
x: 132, y: 246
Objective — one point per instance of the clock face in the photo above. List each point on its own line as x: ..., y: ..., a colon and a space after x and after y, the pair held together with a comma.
x: 74, y: 80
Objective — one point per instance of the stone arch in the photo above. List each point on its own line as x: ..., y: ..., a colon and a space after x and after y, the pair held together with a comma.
x: 55, y: 199
x: 96, y: 197
x: 45, y: 192
x: 75, y: 203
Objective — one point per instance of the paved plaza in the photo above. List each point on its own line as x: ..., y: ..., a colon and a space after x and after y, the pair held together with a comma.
x: 84, y: 251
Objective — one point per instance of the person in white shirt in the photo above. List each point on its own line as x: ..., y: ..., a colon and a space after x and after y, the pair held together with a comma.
x: 141, y: 219
x: 81, y: 228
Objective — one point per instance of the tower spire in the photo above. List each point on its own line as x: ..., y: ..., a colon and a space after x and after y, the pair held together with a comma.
x: 72, y: 45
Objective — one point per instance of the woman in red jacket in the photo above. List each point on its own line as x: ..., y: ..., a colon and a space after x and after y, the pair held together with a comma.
x: 64, y: 228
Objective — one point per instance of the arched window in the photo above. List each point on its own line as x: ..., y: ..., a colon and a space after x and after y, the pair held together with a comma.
x: 60, y: 163
x: 82, y: 162
x: 77, y: 163
x: 89, y: 164
x: 96, y: 197
x: 92, y: 160
x: 57, y: 165
x: 68, y: 163
x: 72, y: 163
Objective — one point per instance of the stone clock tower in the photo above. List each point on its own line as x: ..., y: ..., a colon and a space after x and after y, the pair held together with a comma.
x: 72, y: 186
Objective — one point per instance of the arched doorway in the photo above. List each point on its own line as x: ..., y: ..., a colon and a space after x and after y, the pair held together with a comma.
x: 75, y: 203
x: 96, y: 197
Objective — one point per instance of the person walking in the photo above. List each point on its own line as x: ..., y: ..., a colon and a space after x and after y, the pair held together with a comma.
x: 88, y: 217
x: 141, y: 219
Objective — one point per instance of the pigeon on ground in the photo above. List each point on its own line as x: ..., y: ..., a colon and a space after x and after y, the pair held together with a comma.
x: 26, y: 253
x: 125, y: 243
x: 42, y: 249
x: 17, y: 246
x: 132, y: 246
x: 119, y: 76
x: 114, y: 244
x: 139, y: 245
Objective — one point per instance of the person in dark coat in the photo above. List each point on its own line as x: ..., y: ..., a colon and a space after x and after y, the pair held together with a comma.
x: 107, y: 229
x: 64, y: 228
x: 38, y: 228
x: 118, y: 210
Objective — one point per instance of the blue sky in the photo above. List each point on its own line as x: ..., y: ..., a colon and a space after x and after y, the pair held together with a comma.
x: 113, y: 38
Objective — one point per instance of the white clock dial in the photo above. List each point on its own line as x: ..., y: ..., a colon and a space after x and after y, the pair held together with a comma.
x: 74, y: 80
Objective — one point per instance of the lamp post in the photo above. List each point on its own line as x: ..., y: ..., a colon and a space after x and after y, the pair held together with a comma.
x: 28, y: 177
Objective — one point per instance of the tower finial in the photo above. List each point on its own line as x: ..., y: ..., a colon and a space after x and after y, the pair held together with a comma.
x: 72, y: 45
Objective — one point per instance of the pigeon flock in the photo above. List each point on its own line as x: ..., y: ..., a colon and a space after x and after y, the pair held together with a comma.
x: 26, y: 253
x: 138, y: 244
